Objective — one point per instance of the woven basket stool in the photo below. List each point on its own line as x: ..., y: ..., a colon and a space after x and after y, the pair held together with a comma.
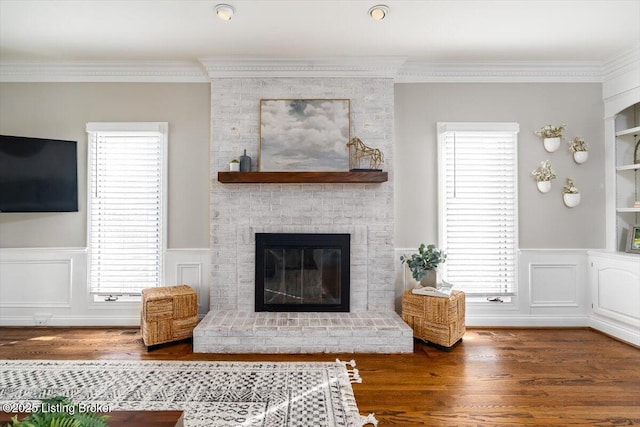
x: 439, y: 321
x: 168, y: 314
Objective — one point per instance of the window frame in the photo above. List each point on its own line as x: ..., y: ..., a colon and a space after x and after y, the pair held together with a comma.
x: 506, y: 127
x: 160, y: 129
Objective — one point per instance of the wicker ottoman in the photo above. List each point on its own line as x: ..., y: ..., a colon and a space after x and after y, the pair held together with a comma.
x: 437, y: 320
x: 168, y: 314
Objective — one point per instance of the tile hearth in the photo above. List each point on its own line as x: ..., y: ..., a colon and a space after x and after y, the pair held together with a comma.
x: 268, y: 332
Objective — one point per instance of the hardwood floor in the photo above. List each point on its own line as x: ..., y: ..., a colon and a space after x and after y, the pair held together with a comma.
x: 495, y: 377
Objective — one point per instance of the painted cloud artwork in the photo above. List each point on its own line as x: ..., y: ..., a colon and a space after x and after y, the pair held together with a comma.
x: 304, y: 135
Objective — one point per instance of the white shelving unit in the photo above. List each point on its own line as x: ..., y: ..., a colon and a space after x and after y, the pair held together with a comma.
x: 627, y: 133
x: 614, y: 275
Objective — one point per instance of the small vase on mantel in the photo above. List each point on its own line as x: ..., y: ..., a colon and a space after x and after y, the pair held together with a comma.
x: 245, y: 162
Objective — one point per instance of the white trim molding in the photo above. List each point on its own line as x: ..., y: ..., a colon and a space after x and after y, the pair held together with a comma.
x: 366, y: 67
x: 102, y: 71
x: 500, y: 72
x: 622, y: 63
x: 395, y: 67
x: 621, y: 82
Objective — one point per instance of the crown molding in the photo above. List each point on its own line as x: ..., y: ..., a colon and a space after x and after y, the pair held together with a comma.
x: 103, y: 71
x: 397, y: 68
x: 372, y: 67
x: 622, y: 63
x: 500, y: 72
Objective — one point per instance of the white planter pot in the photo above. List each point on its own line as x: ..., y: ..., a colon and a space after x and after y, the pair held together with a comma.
x: 430, y: 279
x: 551, y: 144
x: 544, y: 186
x: 571, y: 200
x: 580, y: 156
x: 234, y: 167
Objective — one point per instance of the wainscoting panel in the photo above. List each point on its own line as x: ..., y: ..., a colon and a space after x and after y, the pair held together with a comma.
x: 48, y: 286
x: 615, y: 293
x: 553, y: 285
x: 552, y: 290
x: 190, y: 267
x: 557, y: 284
x: 36, y: 283
x: 619, y: 293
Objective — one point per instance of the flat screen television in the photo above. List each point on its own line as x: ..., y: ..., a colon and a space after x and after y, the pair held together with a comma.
x: 38, y: 175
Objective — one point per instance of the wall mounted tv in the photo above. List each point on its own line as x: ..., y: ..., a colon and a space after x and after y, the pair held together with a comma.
x: 38, y: 175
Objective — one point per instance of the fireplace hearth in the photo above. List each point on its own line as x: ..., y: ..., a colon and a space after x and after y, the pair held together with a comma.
x: 302, y: 272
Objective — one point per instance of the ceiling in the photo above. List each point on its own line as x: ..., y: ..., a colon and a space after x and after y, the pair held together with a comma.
x: 429, y: 31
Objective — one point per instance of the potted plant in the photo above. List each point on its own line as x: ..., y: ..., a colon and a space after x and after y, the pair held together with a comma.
x: 543, y: 175
x: 424, y: 264
x: 59, y: 411
x: 580, y: 150
x: 234, y: 165
x: 570, y: 194
x: 551, y: 136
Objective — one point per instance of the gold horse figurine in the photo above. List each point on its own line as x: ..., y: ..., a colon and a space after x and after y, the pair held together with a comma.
x: 359, y: 151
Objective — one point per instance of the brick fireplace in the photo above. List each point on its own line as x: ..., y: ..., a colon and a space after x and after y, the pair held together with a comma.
x: 239, y: 211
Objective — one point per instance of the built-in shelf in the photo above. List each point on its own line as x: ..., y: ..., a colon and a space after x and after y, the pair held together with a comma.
x: 629, y: 131
x: 628, y: 167
x: 301, y: 177
x: 628, y: 209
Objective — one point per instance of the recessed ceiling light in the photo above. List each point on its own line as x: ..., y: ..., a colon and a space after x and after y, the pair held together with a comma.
x: 379, y: 12
x: 225, y: 11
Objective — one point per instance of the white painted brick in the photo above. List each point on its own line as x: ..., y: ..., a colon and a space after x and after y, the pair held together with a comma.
x: 237, y: 211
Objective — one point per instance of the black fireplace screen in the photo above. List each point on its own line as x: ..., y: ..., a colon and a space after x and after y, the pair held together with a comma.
x: 302, y: 272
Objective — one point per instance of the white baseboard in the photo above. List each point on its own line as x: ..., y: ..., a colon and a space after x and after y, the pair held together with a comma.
x: 616, y: 330
x: 527, y: 321
x: 61, y: 320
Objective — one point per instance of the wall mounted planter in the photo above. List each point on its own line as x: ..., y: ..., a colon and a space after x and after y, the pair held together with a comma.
x: 551, y: 144
x: 571, y: 200
x: 580, y: 156
x: 544, y: 186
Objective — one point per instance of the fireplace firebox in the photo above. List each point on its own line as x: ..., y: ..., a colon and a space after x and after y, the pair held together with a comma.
x: 302, y: 272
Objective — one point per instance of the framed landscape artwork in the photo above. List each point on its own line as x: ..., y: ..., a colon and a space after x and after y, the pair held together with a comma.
x: 304, y: 135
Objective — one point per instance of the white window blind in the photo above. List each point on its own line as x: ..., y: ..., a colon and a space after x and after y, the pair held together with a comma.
x: 126, y: 206
x: 478, y: 203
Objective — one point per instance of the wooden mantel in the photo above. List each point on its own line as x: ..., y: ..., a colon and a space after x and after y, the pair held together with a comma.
x: 301, y: 177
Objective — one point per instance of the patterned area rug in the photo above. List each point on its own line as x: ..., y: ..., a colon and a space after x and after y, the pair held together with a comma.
x: 226, y: 394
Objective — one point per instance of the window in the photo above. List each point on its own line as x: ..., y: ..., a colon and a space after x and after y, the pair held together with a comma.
x: 478, y: 206
x: 126, y: 205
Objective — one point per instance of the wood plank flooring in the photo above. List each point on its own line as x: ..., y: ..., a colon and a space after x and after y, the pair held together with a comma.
x: 495, y: 377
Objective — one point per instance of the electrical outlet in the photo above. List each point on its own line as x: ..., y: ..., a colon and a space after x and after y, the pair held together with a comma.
x: 41, y: 319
